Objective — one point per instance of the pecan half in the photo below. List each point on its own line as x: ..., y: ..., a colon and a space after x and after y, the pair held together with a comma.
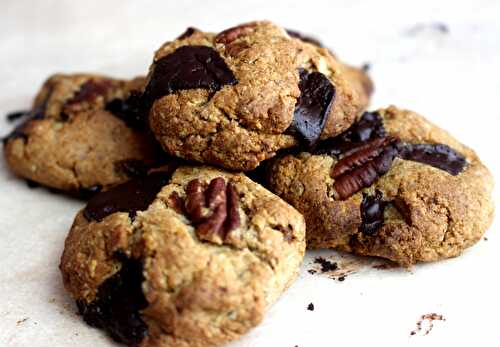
x: 363, y: 165
x: 214, y: 209
x: 231, y: 34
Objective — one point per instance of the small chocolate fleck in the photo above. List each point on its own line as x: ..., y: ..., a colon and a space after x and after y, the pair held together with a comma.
x: 437, y: 155
x: 366, y: 67
x: 32, y: 184
x: 89, y: 91
x: 341, y: 278
x: 117, y: 306
x: 326, y: 265
x: 372, y: 213
x: 188, y: 67
x: 303, y: 37
x: 317, y: 95
x: 189, y: 31
x: 13, y: 116
x: 310, y: 307
x: 132, y: 196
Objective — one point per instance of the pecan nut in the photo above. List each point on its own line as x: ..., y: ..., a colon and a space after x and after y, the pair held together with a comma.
x: 213, y: 209
x: 363, y: 165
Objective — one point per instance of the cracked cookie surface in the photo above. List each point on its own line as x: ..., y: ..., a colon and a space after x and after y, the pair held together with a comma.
x: 394, y: 186
x: 201, y: 254
x: 70, y: 142
x: 233, y: 99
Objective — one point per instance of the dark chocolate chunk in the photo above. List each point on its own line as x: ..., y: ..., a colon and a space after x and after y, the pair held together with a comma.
x: 370, y: 126
x: 317, y: 95
x: 188, y: 67
x: 303, y: 37
x: 117, y: 306
x: 372, y: 213
x: 19, y: 131
x: 89, y: 192
x: 131, y: 110
x: 132, y: 196
x: 437, y: 155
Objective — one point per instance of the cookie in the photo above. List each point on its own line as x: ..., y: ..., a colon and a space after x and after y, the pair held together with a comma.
x: 394, y: 186
x: 70, y: 141
x: 192, y: 258
x: 234, y: 99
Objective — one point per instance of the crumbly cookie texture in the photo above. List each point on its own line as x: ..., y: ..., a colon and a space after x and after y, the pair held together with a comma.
x: 407, y: 191
x: 70, y: 142
x: 255, y: 90
x: 200, y: 255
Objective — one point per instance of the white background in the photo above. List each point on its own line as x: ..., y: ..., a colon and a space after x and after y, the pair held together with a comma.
x: 453, y: 78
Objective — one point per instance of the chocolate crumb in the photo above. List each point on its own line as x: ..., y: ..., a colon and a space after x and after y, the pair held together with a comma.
x: 13, y: 116
x: 326, y: 265
x: 485, y: 239
x: 310, y: 307
x: 366, y: 67
x: 32, y: 184
x: 341, y: 278
x: 312, y: 271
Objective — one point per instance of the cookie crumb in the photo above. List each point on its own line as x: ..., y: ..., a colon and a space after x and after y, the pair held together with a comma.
x: 21, y: 321
x: 326, y: 265
x: 426, y: 323
x: 310, y: 307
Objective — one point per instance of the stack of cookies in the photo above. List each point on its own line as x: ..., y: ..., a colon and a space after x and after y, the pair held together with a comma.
x: 208, y: 179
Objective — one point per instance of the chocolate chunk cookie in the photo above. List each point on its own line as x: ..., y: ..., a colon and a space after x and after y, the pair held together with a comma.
x: 394, y: 185
x: 71, y: 142
x: 235, y: 98
x: 192, y: 258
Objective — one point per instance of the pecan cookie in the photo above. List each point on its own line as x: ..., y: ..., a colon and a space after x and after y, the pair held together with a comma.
x: 192, y: 258
x: 394, y: 186
x: 72, y: 142
x: 235, y: 98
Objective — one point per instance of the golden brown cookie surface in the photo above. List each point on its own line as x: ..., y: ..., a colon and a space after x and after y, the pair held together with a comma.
x: 69, y: 141
x: 235, y: 98
x: 394, y: 186
x: 192, y: 259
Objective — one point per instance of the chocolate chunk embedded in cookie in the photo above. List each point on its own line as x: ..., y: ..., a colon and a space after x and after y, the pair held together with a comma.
x: 393, y: 185
x: 234, y: 99
x: 189, y: 259
x: 70, y: 142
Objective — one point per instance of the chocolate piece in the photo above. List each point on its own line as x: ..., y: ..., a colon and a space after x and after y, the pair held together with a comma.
x: 213, y: 209
x: 132, y: 110
x: 317, y: 95
x: 188, y: 67
x: 132, y: 196
x: 117, y: 306
x: 32, y: 184
x: 368, y: 127
x: 89, y: 91
x: 437, y: 155
x: 19, y: 131
x: 303, y: 37
x: 363, y: 165
x: 372, y: 213
x: 13, y: 116
x: 326, y: 265
x: 89, y: 192
x: 189, y: 31
x: 310, y: 307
